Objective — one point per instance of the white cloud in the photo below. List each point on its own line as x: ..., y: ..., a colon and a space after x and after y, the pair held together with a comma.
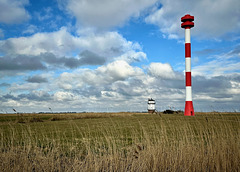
x: 118, y: 70
x: 106, y: 13
x: 61, y: 43
x: 133, y: 56
x: 69, y: 81
x: 103, y: 75
x: 63, y: 96
x: 122, y: 87
x: 107, y: 43
x: 212, y: 18
x: 161, y: 70
x: 119, y: 81
x: 12, y: 11
x: 24, y: 87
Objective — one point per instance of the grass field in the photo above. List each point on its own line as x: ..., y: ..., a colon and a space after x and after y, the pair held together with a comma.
x: 120, y: 142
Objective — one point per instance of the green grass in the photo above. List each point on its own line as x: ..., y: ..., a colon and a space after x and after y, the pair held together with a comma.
x: 120, y: 142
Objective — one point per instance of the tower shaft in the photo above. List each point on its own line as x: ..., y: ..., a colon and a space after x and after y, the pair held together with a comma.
x: 188, y: 24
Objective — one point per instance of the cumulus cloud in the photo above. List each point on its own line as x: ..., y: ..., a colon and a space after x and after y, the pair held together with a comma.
x: 20, y: 62
x: 132, y: 56
x: 44, y: 61
x: 53, y: 50
x: 85, y: 58
x: 15, y: 87
x: 13, y: 11
x: 36, y: 79
x: 61, y: 43
x: 220, y: 92
x: 63, y: 96
x: 116, y: 71
x: 32, y: 96
x: 89, y: 58
x: 106, y: 13
x: 120, y: 81
x: 161, y: 70
x: 124, y: 87
x: 212, y: 18
x: 36, y: 96
x: 217, y: 86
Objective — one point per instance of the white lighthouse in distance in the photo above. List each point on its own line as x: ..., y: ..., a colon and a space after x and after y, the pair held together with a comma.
x: 151, y: 105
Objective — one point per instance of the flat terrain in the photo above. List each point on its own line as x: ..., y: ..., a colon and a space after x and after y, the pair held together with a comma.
x: 120, y: 142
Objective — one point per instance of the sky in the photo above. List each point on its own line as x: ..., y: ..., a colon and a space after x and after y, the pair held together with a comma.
x: 112, y: 55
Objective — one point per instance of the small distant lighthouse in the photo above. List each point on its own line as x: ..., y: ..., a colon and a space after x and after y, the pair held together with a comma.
x: 151, y: 105
x: 187, y: 25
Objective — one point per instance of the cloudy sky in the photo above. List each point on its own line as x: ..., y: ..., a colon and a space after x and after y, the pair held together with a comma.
x: 112, y: 55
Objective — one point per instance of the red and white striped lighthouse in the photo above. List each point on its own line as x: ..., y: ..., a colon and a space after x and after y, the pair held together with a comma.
x: 188, y: 24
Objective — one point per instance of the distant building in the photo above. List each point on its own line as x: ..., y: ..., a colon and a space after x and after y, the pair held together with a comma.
x: 151, y: 105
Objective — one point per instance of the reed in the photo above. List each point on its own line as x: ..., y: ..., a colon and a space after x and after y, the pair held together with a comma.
x: 120, y: 142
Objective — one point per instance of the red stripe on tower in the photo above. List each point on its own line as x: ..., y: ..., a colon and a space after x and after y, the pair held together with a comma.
x: 187, y: 49
x: 188, y: 79
x: 187, y: 25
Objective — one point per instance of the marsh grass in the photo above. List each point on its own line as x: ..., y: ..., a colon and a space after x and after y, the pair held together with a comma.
x: 120, y: 142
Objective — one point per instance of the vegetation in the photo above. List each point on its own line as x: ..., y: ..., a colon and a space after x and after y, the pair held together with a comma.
x: 120, y: 142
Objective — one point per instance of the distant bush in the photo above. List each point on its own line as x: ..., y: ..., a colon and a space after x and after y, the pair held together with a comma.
x: 57, y: 118
x: 168, y: 111
x: 35, y: 119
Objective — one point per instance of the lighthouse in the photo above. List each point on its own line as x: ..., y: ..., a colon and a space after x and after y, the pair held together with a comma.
x: 187, y: 25
x: 151, y: 105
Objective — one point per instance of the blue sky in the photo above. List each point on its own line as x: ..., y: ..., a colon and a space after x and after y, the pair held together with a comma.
x: 112, y: 55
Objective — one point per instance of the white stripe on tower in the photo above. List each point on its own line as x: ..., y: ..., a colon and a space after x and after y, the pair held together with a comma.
x: 187, y: 35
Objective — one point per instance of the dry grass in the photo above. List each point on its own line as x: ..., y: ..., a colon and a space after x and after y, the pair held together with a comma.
x: 120, y: 142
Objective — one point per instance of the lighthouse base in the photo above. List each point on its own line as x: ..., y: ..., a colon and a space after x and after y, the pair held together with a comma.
x: 189, y: 111
x: 151, y: 111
